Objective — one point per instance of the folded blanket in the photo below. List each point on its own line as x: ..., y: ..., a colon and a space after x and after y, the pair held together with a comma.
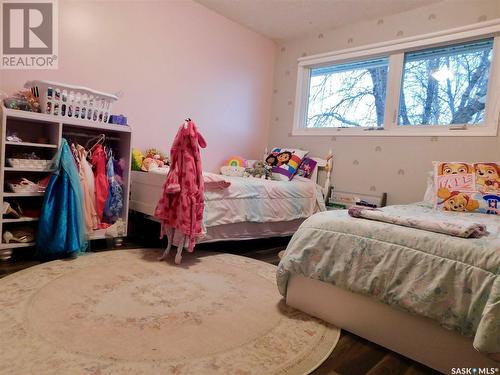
x: 212, y: 181
x: 452, y: 227
x: 215, y: 181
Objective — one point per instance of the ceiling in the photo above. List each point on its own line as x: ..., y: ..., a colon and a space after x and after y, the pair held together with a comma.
x: 288, y: 19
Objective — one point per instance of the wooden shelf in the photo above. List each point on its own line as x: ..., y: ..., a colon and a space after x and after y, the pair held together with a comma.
x: 12, y: 194
x: 30, y: 144
x: 44, y: 118
x: 32, y: 126
x: 23, y: 219
x: 15, y: 245
x: 16, y: 169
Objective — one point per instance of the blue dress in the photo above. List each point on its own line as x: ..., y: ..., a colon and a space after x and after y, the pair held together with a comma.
x: 61, y: 228
x: 114, y: 202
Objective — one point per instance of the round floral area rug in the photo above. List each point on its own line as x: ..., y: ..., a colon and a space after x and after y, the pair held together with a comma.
x: 124, y: 312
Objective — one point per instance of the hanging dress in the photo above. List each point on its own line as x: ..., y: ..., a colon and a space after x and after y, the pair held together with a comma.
x: 87, y: 170
x: 114, y: 202
x: 181, y: 205
x: 87, y: 182
x: 101, y: 185
x: 61, y: 228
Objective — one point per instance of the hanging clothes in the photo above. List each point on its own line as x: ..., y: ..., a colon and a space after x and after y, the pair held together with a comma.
x: 87, y: 170
x: 114, y: 202
x: 118, y: 167
x: 181, y: 204
x: 61, y: 228
x: 101, y: 185
x: 87, y: 182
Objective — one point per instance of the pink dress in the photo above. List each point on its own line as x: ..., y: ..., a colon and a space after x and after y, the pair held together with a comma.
x: 100, y: 180
x: 181, y: 205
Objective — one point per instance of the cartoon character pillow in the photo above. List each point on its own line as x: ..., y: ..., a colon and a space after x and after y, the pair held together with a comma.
x: 285, y: 162
x: 306, y: 168
x: 467, y: 187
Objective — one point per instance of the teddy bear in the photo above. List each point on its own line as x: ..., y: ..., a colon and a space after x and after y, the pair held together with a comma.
x: 258, y: 170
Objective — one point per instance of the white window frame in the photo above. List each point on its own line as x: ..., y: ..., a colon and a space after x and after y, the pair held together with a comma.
x: 395, y: 51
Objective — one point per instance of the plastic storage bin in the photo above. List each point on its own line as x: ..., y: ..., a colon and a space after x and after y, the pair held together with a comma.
x: 60, y: 99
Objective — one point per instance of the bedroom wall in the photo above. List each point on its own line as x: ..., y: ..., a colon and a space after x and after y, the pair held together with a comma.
x: 168, y: 60
x: 396, y: 165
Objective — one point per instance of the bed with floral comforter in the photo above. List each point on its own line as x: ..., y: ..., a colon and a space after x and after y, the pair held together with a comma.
x: 454, y: 281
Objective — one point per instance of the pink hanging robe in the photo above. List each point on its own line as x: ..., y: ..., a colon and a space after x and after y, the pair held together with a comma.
x: 181, y: 205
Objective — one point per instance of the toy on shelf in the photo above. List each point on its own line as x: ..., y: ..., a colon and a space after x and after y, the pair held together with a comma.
x: 118, y: 120
x: 24, y: 100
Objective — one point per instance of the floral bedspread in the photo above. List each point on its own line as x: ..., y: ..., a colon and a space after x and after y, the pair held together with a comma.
x: 454, y: 281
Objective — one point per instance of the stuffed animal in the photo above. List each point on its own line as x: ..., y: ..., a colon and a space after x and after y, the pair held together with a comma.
x: 269, y: 171
x: 160, y: 158
x: 258, y: 170
x: 232, y: 171
x: 137, y: 158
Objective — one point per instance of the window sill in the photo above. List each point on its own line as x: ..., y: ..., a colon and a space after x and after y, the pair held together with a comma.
x: 484, y: 131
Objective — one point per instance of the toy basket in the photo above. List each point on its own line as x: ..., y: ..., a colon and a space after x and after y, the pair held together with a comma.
x: 28, y: 163
x: 70, y: 101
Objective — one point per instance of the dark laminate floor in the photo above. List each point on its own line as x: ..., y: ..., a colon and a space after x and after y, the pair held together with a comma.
x: 353, y: 355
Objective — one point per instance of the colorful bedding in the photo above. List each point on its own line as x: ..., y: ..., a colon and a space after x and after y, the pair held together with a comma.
x: 454, y: 281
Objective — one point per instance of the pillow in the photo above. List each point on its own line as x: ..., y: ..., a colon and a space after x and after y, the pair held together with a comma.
x: 306, y: 168
x: 285, y: 162
x: 232, y: 171
x: 236, y: 161
x: 467, y: 187
x: 429, y: 196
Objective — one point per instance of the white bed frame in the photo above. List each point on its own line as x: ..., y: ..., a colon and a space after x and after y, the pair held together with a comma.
x: 146, y: 190
x: 410, y: 335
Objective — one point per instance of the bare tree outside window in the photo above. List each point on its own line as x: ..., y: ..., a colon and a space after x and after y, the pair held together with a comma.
x: 348, y: 95
x: 446, y: 85
x: 440, y: 86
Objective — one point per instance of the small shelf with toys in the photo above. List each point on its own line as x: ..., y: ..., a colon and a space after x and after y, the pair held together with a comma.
x: 29, y: 139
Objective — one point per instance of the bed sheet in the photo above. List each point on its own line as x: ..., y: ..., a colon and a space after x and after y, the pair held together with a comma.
x: 454, y: 281
x: 261, y: 201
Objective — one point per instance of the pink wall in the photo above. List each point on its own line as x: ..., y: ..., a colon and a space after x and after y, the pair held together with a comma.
x: 170, y: 59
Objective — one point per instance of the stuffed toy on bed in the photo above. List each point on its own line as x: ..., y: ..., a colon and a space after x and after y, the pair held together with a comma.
x: 233, y: 167
x: 232, y: 171
x: 259, y: 170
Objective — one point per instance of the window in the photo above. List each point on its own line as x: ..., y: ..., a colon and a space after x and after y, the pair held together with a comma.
x: 446, y: 83
x: 348, y: 95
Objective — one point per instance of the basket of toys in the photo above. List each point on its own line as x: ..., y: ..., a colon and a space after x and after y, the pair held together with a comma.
x: 60, y: 99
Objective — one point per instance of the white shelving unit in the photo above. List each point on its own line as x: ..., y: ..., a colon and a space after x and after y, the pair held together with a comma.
x: 31, y: 127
